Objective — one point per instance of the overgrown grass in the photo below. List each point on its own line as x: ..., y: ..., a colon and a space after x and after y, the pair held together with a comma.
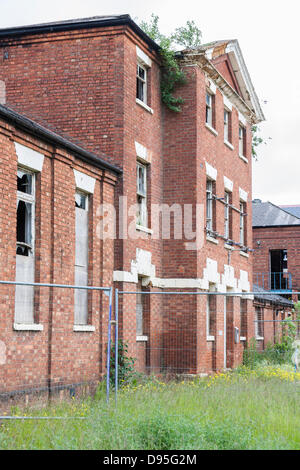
x: 246, y: 409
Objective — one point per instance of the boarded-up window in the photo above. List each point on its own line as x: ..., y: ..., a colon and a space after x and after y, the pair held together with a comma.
x: 259, y: 324
x: 211, y: 315
x: 139, y: 310
x: 24, y: 295
x: 81, y: 258
x: 243, y: 319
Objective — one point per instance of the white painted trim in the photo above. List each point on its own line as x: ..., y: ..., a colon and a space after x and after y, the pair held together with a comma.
x: 142, y: 153
x: 211, y: 129
x: 84, y: 182
x: 144, y: 229
x: 210, y: 339
x: 227, y: 103
x: 246, y: 255
x: 242, y: 119
x: 212, y: 87
x: 243, y: 195
x: 229, y: 145
x: 243, y: 338
x: 211, y: 172
x: 212, y: 240
x: 29, y: 158
x: 244, y: 158
x: 84, y: 328
x: 144, y: 105
x: 140, y: 339
x: 142, y: 57
x: 228, y: 184
x: 28, y: 327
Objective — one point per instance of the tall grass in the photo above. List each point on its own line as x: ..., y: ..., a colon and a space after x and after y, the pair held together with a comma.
x: 242, y: 410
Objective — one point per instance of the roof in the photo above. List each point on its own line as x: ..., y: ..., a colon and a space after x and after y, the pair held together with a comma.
x: 294, y: 210
x: 266, y: 214
x: 264, y: 295
x: 231, y: 47
x: 49, y: 136
x: 81, y: 23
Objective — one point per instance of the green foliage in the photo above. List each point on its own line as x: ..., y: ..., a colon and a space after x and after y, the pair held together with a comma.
x: 172, y: 76
x: 278, y: 353
x: 125, y: 364
x: 188, y: 36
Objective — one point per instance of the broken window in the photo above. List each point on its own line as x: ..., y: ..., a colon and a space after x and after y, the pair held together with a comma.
x: 141, y: 218
x: 81, y: 258
x: 141, y: 83
x: 24, y: 295
x: 25, y: 212
x: 279, y: 269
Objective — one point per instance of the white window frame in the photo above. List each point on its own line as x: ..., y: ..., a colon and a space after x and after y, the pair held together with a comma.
x: 209, y: 337
x: 144, y: 83
x: 227, y: 124
x: 142, y: 215
x: 227, y: 215
x: 209, y: 205
x: 29, y: 199
x: 209, y: 109
x: 242, y: 223
x: 81, y: 324
x: 242, y: 136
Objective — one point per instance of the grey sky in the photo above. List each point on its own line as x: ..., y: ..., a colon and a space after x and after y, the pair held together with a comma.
x: 268, y: 35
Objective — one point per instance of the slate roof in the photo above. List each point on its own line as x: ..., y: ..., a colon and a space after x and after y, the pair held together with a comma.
x: 294, y: 210
x: 264, y: 295
x: 266, y: 214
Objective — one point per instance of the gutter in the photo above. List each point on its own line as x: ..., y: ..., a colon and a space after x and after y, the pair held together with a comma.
x: 85, y: 23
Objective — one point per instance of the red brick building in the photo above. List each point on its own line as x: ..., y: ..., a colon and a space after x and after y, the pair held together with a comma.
x: 96, y: 84
x: 276, y: 237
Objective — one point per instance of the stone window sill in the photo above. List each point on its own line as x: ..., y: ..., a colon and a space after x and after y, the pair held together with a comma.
x: 259, y: 338
x: 144, y: 229
x: 242, y: 253
x: 142, y: 339
x: 28, y: 327
x: 210, y: 339
x: 229, y: 145
x: 212, y: 240
x: 244, y: 158
x: 243, y: 338
x: 84, y: 328
x: 211, y: 129
x: 144, y: 105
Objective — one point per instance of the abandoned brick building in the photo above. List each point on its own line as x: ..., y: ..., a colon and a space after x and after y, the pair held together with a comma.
x: 276, y: 239
x: 82, y: 112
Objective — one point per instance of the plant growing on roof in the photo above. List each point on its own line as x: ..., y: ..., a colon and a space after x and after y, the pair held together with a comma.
x: 172, y: 76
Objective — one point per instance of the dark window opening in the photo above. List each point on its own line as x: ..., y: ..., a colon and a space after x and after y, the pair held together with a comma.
x: 279, y: 278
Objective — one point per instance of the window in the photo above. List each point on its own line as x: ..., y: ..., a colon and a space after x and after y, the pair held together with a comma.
x: 242, y: 141
x: 25, y: 263
x: 210, y: 109
x: 25, y: 212
x: 210, y: 316
x: 141, y: 83
x: 139, y: 310
x: 242, y: 224
x: 259, y: 325
x: 243, y: 318
x: 141, y: 216
x: 210, y: 206
x: 227, y: 215
x: 81, y: 257
x: 227, y: 126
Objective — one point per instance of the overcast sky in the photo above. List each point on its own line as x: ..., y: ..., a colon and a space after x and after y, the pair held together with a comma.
x: 268, y: 35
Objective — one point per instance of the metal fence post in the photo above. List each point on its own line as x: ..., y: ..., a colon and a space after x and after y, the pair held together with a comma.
x: 116, y: 341
x: 108, y: 346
